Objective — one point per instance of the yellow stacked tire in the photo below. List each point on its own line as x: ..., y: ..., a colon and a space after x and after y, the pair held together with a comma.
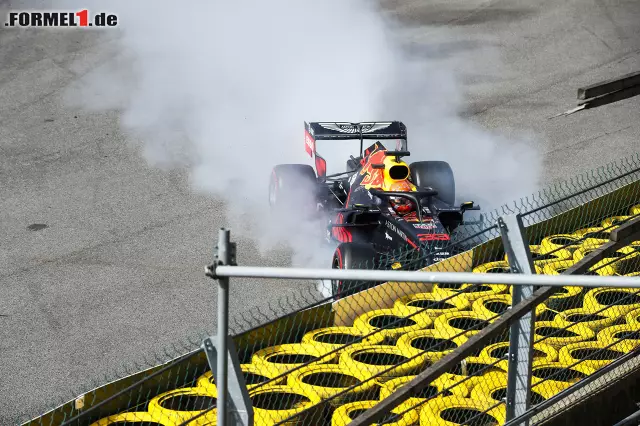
x: 133, y: 418
x: 632, y: 318
x: 274, y: 404
x: 461, y: 323
x: 500, y: 351
x: 386, y: 362
x: 182, y: 404
x: 634, y: 210
x: 390, y: 323
x: 494, y: 387
x: 399, y: 416
x: 594, y: 321
x: 253, y: 376
x: 566, y: 297
x: 560, y: 245
x: 548, y: 332
x: 588, y: 246
x: 540, y: 258
x: 613, y: 302
x: 556, y: 374
x: 614, y: 222
x: 445, y: 385
x: 596, y: 232
x: 594, y: 355
x: 628, y: 262
x: 629, y: 333
x: 432, y: 343
x: 497, y: 304
x: 468, y: 291
x: 454, y: 410
x: 332, y: 338
x: 431, y: 304
x: 472, y: 369
x: 280, y: 359
x: 326, y: 380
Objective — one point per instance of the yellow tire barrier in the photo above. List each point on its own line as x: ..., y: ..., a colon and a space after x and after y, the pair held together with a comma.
x: 277, y: 360
x: 592, y: 354
x: 461, y: 322
x: 454, y: 410
x: 596, y: 232
x: 587, y: 247
x: 138, y: 417
x: 364, y: 361
x: 273, y: 404
x: 549, y: 333
x: 567, y: 297
x: 183, y: 404
x: 497, y: 304
x: 326, y: 380
x: 557, y: 374
x: 431, y: 304
x: 253, y: 376
x: 494, y: 386
x: 634, y: 210
x: 541, y: 257
x: 440, y: 387
x: 471, y: 292
x: 434, y: 344
x: 348, y: 412
x: 380, y: 319
x: 470, y: 371
x: 332, y: 338
x: 614, y: 221
x: 620, y: 333
x: 632, y: 318
x: 596, y: 322
x: 613, y: 302
x: 629, y: 263
x: 560, y: 245
x: 500, y: 350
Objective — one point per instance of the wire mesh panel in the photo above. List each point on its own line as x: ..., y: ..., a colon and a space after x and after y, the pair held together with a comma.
x: 315, y: 359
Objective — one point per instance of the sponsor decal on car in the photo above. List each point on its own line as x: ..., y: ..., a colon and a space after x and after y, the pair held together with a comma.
x: 387, y: 236
x: 425, y: 225
x: 433, y: 237
x: 396, y: 230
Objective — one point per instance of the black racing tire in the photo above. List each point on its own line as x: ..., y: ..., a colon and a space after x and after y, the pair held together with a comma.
x: 437, y: 175
x: 352, y: 256
x: 292, y: 187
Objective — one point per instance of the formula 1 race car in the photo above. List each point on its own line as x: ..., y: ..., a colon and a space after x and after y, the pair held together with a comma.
x: 379, y: 205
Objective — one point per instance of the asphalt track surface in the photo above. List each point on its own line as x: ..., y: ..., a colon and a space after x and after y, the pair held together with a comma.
x: 118, y: 272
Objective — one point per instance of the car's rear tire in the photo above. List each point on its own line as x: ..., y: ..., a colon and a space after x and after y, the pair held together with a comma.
x: 293, y: 187
x: 352, y: 256
x: 437, y: 175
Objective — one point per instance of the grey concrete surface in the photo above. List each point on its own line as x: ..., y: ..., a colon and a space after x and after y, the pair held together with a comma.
x: 117, y: 273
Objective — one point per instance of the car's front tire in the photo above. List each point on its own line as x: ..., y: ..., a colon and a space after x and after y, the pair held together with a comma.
x: 352, y: 256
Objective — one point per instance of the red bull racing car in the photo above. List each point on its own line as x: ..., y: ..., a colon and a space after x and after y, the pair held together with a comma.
x: 379, y: 206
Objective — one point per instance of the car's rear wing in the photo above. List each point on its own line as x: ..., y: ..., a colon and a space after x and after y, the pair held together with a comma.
x: 315, y: 131
x: 365, y: 130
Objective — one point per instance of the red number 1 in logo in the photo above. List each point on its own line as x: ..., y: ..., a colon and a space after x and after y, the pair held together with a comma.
x: 84, y: 17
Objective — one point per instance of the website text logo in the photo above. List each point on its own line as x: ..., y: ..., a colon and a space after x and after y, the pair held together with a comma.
x: 81, y: 18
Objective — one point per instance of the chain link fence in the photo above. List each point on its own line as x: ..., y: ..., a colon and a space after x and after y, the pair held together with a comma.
x: 315, y: 360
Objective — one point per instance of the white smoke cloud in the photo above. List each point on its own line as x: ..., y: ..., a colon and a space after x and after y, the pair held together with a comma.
x: 224, y: 88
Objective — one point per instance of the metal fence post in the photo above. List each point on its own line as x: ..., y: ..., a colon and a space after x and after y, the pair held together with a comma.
x: 220, y: 349
x: 516, y: 247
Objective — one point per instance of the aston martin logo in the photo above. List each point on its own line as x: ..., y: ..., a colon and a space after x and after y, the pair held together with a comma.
x: 351, y: 128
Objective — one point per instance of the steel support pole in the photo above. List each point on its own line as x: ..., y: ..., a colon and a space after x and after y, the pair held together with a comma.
x: 521, y: 335
x: 224, y: 257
